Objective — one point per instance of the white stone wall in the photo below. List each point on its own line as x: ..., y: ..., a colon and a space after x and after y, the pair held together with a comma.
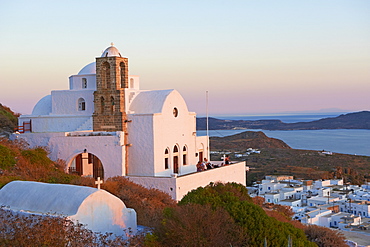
x: 65, y: 102
x: 230, y: 173
x: 150, y: 134
x: 75, y: 82
x: 56, y: 123
x: 141, y: 153
x: 109, y: 149
x: 178, y: 186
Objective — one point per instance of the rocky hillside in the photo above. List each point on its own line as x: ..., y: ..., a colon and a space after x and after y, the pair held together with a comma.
x: 356, y: 120
x: 243, y: 141
x: 8, y: 120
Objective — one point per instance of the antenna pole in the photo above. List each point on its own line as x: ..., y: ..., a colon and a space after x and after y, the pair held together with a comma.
x: 207, y: 110
x: 208, y: 149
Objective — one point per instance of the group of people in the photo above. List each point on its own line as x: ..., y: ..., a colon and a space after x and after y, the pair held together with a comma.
x: 206, y: 165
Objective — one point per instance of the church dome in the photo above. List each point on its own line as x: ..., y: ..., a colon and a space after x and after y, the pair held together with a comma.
x: 88, y: 69
x: 43, y: 107
x: 111, y: 51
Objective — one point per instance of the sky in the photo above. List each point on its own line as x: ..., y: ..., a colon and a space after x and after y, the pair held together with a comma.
x: 253, y: 57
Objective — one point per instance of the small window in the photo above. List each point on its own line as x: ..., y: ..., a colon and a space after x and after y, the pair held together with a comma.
x: 112, y: 106
x: 184, y: 156
x: 175, y: 112
x: 131, y: 83
x: 81, y: 104
x: 166, y: 156
x: 102, y: 105
x: 84, y: 83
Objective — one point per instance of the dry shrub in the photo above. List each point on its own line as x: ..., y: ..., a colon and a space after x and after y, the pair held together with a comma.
x: 20, y: 162
x: 285, y: 211
x: 42, y: 230
x: 258, y: 200
x: 148, y: 203
x: 84, y: 181
x: 325, y: 237
x: 198, y: 225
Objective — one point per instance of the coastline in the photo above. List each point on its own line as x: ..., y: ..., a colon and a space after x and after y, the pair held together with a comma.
x: 354, y: 142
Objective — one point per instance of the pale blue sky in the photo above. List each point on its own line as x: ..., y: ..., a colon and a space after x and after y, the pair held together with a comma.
x: 252, y: 56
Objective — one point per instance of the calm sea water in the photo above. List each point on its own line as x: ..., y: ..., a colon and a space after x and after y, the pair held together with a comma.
x: 337, y: 141
x: 286, y: 118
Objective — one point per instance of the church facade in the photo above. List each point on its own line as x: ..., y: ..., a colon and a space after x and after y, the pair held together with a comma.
x: 104, y: 125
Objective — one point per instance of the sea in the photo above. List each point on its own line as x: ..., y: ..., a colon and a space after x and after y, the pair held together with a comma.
x: 346, y: 141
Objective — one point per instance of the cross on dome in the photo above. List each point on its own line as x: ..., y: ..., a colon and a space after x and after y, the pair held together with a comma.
x: 99, y: 182
x: 111, y: 51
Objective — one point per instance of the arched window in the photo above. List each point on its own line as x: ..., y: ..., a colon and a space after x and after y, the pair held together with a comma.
x: 166, y: 156
x: 122, y: 72
x: 175, y: 159
x: 132, y: 83
x: 102, y: 105
x: 84, y: 83
x: 112, y: 106
x: 81, y: 104
x: 200, y: 151
x: 105, y: 75
x: 184, y: 156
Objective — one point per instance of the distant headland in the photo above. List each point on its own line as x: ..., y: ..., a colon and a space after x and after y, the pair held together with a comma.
x: 355, y: 120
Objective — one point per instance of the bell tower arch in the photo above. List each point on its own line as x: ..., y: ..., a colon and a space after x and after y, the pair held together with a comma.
x: 111, y: 81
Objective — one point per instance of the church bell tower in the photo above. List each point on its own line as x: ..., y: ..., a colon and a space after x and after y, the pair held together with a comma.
x: 109, y: 97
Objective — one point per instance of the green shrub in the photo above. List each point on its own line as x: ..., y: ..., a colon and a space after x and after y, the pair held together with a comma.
x: 37, y: 156
x: 7, y: 157
x: 256, y: 225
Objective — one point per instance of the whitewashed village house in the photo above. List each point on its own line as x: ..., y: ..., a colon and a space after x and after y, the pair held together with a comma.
x: 325, y: 203
x: 97, y: 209
x: 104, y: 125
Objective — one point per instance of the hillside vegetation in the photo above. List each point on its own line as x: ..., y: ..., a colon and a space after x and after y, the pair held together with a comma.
x: 8, y: 120
x: 224, y: 215
x: 218, y: 215
x: 356, y: 120
x: 245, y: 140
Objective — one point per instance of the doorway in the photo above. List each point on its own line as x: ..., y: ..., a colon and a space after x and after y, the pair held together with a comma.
x: 88, y: 165
x: 176, y: 164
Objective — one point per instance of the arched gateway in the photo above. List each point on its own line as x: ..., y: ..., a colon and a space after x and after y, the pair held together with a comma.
x: 86, y: 164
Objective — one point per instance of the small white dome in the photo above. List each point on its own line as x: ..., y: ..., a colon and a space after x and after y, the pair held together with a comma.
x: 43, y: 107
x: 111, y: 51
x: 88, y: 69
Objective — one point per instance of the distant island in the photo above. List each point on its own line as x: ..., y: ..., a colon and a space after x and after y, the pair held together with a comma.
x: 356, y: 120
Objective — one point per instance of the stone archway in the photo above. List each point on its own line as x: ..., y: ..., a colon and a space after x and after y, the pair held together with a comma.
x: 86, y: 164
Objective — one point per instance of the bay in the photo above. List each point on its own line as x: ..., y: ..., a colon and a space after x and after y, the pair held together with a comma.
x: 346, y: 141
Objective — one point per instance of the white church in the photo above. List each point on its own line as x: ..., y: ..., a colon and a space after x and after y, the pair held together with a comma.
x: 104, y: 125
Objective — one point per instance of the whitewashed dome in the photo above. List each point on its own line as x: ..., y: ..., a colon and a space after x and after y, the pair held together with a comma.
x: 111, y: 51
x: 43, y: 107
x: 88, y: 69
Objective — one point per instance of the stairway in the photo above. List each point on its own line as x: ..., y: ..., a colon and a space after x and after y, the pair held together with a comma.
x: 87, y: 125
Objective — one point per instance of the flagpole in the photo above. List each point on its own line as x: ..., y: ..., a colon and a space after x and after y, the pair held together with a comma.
x: 207, y: 110
x: 209, y: 157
